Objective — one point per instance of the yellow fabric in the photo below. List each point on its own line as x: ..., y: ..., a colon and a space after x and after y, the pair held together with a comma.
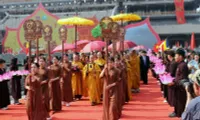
x: 91, y: 73
x: 76, y: 80
x: 126, y: 17
x: 75, y: 21
x: 100, y: 62
x: 135, y: 68
x: 129, y: 79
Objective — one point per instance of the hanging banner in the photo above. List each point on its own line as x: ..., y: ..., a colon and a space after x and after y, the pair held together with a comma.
x: 180, y: 11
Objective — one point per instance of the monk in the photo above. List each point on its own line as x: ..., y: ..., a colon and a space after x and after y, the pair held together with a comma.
x: 181, y: 73
x: 135, y: 66
x: 54, y: 85
x: 77, y: 83
x: 129, y: 76
x: 110, y: 102
x: 44, y: 78
x: 35, y: 108
x: 66, y: 84
x: 91, y: 73
x: 101, y: 62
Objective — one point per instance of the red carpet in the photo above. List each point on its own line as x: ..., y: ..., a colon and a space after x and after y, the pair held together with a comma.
x: 147, y: 105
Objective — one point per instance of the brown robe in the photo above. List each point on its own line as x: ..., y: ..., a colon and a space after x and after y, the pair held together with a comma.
x: 54, y: 88
x: 180, y: 93
x: 171, y: 68
x: 66, y: 86
x: 110, y: 99
x: 34, y: 107
x: 43, y: 74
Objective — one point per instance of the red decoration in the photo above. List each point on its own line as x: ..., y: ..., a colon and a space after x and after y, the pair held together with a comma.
x: 192, y: 42
x: 180, y: 11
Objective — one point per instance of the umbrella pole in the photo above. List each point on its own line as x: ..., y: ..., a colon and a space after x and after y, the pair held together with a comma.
x: 29, y: 57
x: 62, y: 50
x: 37, y: 49
x: 75, y: 38
x: 49, y: 52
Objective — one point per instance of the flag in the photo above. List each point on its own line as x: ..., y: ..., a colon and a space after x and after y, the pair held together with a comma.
x: 164, y: 45
x: 192, y: 42
x: 180, y: 11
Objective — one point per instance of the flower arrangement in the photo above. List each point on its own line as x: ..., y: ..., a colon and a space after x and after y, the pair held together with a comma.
x: 9, y: 75
x: 166, y: 78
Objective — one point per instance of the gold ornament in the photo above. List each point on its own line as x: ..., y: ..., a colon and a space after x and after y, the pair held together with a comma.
x: 47, y: 31
x: 29, y: 30
x: 39, y: 27
x: 63, y: 32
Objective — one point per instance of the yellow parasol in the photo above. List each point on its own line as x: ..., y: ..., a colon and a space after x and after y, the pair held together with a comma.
x: 75, y: 21
x: 126, y: 17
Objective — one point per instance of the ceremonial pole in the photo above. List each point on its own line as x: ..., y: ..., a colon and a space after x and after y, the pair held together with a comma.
x: 47, y: 31
x: 29, y: 34
x: 39, y: 27
x: 63, y: 37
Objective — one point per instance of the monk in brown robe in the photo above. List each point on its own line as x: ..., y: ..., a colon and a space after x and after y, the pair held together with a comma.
x: 110, y: 94
x: 66, y: 84
x: 54, y: 86
x: 35, y: 108
x: 43, y: 75
x: 181, y: 73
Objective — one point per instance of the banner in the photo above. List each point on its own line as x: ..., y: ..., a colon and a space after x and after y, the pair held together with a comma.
x: 180, y: 11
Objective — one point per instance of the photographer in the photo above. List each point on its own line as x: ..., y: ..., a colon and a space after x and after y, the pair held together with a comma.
x: 192, y: 111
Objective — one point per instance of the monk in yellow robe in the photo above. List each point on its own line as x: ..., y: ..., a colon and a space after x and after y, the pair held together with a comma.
x: 129, y: 76
x: 77, y: 82
x: 101, y: 62
x: 91, y: 73
x: 135, y: 68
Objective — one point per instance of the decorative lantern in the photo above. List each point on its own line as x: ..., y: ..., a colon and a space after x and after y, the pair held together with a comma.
x: 47, y: 31
x: 29, y: 30
x: 39, y: 28
x: 106, y: 29
x: 63, y: 32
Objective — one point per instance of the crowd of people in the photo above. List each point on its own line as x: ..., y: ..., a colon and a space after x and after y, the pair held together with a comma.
x: 109, y: 80
x: 182, y: 94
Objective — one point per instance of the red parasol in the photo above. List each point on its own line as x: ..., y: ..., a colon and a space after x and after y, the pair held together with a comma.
x: 82, y: 43
x: 66, y: 47
x: 127, y: 45
x: 94, y: 46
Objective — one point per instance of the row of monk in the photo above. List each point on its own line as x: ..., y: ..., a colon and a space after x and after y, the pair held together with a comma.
x: 86, y: 76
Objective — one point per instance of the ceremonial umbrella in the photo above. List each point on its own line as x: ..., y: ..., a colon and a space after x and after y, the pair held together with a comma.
x: 75, y: 21
x: 123, y: 17
x: 127, y: 45
x: 94, y: 46
x: 66, y: 47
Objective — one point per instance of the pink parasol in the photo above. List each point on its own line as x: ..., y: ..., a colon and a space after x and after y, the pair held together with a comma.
x: 127, y: 45
x: 94, y: 46
x: 82, y: 43
x: 139, y: 47
x: 66, y: 47
x: 166, y: 78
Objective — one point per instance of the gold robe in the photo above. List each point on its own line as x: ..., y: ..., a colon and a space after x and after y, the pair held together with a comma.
x: 101, y: 62
x: 91, y: 73
x: 129, y: 79
x: 135, y: 68
x: 77, y: 83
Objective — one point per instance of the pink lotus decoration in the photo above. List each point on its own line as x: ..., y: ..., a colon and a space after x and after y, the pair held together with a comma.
x: 166, y: 78
x: 159, y: 69
x: 7, y: 76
